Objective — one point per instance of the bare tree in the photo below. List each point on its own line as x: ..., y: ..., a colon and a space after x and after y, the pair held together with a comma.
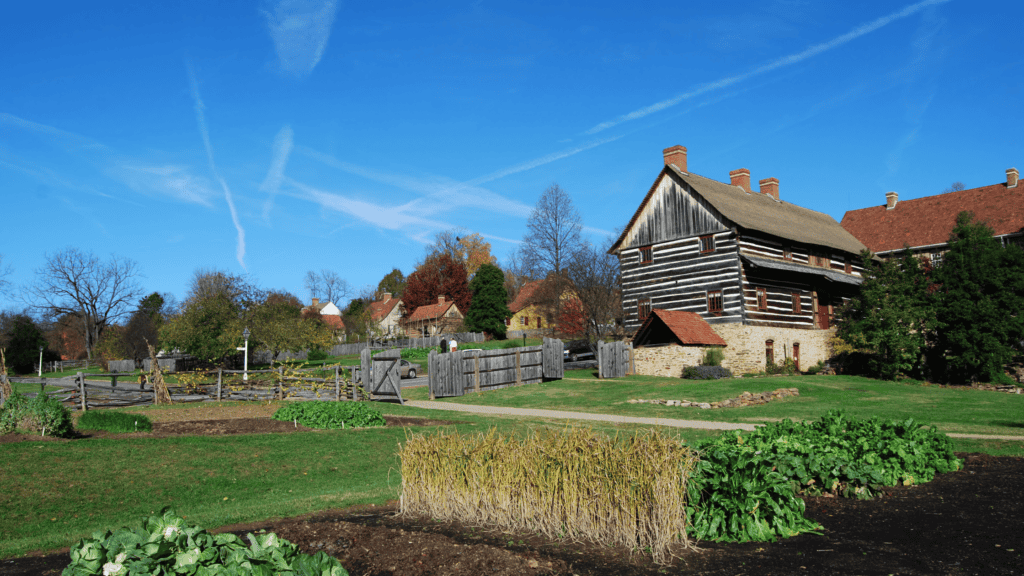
x: 97, y: 293
x: 594, y: 276
x: 5, y: 271
x: 553, y: 233
x: 517, y: 274
x: 327, y: 286
x: 955, y: 187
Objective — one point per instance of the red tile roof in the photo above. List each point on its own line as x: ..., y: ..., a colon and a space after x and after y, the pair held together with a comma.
x: 431, y: 311
x: 381, y: 308
x: 688, y: 327
x: 525, y: 295
x: 334, y: 322
x: 929, y: 220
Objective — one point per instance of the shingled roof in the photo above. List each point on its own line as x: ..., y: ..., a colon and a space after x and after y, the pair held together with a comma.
x: 525, y: 296
x: 929, y: 221
x: 757, y: 212
x: 381, y: 308
x: 687, y: 328
x: 431, y: 311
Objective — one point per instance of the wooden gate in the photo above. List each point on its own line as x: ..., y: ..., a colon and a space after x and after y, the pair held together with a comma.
x: 381, y: 377
x: 613, y: 359
x: 455, y: 373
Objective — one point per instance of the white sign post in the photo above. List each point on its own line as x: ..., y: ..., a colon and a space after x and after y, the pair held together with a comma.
x: 245, y: 373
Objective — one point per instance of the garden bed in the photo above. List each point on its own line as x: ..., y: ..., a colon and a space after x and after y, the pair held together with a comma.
x: 965, y: 522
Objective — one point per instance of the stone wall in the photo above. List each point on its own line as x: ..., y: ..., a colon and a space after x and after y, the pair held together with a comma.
x: 666, y: 360
x: 746, y: 350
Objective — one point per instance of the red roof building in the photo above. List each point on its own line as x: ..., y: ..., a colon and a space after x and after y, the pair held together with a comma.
x: 924, y: 224
x: 431, y: 319
x: 676, y: 327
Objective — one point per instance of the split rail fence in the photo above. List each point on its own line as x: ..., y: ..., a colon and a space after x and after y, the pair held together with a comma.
x: 456, y: 373
x: 85, y: 392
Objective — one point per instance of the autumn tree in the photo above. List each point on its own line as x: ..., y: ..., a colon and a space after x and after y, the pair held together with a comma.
x: 98, y: 293
x: 441, y: 275
x: 327, y: 286
x: 490, y: 302
x: 469, y: 248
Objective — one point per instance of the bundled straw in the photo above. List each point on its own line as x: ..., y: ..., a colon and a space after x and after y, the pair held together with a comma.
x: 573, y: 484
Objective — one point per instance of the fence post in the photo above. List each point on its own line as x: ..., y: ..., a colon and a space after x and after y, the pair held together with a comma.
x: 433, y: 378
x: 519, y: 367
x: 337, y: 384
x: 476, y: 371
x: 81, y: 384
x: 220, y: 381
x: 280, y: 382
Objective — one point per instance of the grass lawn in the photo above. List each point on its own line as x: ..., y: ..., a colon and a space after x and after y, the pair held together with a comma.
x: 950, y: 410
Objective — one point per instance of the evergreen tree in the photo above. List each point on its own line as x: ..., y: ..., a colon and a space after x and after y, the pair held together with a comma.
x: 980, y: 301
x: 24, y: 341
x: 489, y: 307
x: 890, y: 316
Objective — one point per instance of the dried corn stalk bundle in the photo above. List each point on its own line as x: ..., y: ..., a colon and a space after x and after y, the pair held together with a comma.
x: 570, y: 483
x: 161, y: 394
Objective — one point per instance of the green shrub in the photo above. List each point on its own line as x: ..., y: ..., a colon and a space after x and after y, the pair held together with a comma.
x: 165, y: 544
x: 316, y: 356
x: 117, y: 422
x: 816, y: 368
x: 786, y: 367
x: 713, y: 356
x: 837, y: 454
x: 41, y: 414
x: 331, y: 415
x: 408, y: 353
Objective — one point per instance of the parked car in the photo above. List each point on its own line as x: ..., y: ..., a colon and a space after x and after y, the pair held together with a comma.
x: 573, y: 350
x: 408, y: 369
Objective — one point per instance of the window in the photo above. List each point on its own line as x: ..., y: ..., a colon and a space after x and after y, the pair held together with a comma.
x: 787, y: 253
x: 936, y: 258
x: 646, y: 255
x: 538, y: 321
x: 715, y: 301
x: 707, y: 244
x: 796, y: 302
x: 762, y: 299
x: 524, y: 320
x: 818, y: 259
x: 643, y: 308
x: 847, y: 265
x: 769, y: 352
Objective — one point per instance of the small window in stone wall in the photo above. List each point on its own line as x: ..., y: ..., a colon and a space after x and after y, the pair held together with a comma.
x: 769, y: 351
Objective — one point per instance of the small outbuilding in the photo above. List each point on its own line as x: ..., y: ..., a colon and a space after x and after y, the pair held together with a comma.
x: 670, y: 340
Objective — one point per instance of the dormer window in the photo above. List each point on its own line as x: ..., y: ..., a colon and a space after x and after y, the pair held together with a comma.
x: 646, y: 255
x: 707, y: 244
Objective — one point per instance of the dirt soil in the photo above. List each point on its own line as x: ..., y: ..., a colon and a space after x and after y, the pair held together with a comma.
x: 966, y: 522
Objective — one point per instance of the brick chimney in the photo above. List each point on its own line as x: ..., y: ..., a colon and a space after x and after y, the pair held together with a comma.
x: 385, y: 296
x: 1011, y: 178
x: 316, y: 302
x: 770, y: 186
x: 675, y: 155
x: 890, y: 200
x: 440, y: 299
x: 741, y: 178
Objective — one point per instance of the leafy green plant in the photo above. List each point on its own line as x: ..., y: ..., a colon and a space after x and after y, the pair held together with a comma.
x: 316, y: 356
x: 166, y: 544
x: 786, y: 367
x: 713, y: 356
x: 331, y: 415
x: 41, y: 414
x: 117, y: 422
x: 816, y: 368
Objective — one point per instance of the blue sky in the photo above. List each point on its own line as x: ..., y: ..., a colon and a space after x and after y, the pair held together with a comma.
x: 279, y: 137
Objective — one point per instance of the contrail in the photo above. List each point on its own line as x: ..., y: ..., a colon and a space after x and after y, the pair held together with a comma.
x: 201, y: 119
x: 773, y: 65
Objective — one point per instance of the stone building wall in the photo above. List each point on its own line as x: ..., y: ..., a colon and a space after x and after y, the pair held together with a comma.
x: 668, y: 360
x: 746, y: 350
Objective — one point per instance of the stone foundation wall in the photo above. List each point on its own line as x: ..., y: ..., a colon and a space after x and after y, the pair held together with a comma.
x: 666, y: 360
x: 746, y: 350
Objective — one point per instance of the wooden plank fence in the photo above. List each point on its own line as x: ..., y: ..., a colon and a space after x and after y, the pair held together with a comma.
x: 614, y: 359
x: 455, y: 373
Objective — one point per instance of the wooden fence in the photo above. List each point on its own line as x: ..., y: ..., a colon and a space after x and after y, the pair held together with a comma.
x: 455, y: 373
x: 381, y: 376
x: 614, y: 359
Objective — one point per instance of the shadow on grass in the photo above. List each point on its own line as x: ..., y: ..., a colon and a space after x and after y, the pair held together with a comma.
x: 1008, y: 424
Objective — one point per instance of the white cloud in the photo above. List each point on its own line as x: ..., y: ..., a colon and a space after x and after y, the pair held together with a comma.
x: 387, y: 217
x: 167, y: 180
x: 283, y: 143
x: 300, y: 30
x: 773, y: 65
x: 205, y: 134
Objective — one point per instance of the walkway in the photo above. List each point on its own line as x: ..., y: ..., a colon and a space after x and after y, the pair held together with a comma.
x: 670, y: 422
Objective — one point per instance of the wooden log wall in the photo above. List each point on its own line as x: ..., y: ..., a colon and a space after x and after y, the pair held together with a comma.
x: 679, y: 278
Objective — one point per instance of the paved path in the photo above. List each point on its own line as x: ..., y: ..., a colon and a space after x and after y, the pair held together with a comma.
x: 670, y: 422
x: 578, y: 416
